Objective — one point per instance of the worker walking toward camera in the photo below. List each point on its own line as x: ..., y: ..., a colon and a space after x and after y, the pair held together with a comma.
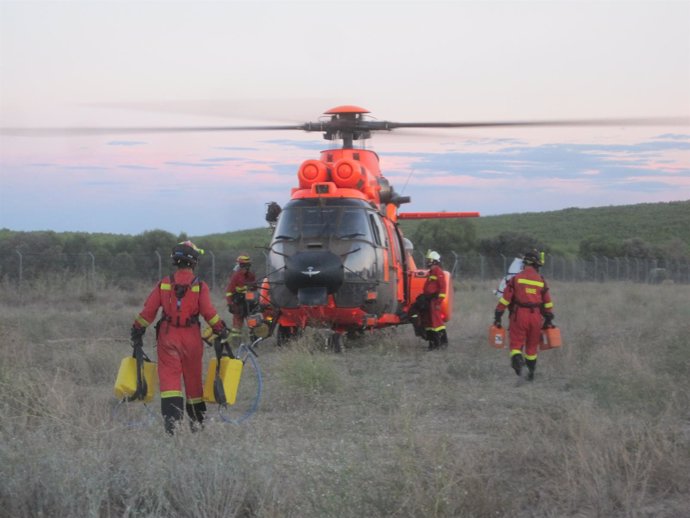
x: 434, y: 293
x: 528, y: 300
x: 241, y: 282
x: 184, y: 298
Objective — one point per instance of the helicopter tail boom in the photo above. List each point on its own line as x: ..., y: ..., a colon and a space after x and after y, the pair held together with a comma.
x: 437, y: 215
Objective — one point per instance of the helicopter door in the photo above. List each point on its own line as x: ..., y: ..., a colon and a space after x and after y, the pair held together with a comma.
x: 396, y: 266
x: 386, y: 294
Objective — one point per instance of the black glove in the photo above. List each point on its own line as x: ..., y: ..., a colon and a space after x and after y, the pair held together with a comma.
x: 137, y: 336
x: 548, y: 319
x: 498, y: 315
x: 223, y: 334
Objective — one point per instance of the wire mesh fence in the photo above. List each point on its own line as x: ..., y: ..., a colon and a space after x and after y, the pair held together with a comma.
x: 595, y: 269
x: 216, y: 266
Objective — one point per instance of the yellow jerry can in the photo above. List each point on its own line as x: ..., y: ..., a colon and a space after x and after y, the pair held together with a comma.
x: 126, y: 382
x: 230, y: 372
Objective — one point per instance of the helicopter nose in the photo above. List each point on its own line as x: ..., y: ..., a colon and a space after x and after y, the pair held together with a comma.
x: 313, y: 275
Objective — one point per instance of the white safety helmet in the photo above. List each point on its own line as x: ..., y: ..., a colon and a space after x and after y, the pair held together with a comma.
x: 433, y: 257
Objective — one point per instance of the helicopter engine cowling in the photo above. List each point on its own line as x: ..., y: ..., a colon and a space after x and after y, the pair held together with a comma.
x: 349, y: 173
x: 311, y: 172
x: 313, y: 275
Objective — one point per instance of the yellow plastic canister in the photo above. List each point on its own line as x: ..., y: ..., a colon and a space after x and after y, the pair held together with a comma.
x: 230, y: 372
x: 126, y: 381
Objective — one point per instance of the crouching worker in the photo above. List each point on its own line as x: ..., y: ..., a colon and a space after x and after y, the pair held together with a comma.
x: 183, y: 298
x: 528, y: 300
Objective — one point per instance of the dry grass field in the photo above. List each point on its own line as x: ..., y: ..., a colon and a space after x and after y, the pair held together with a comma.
x: 384, y: 429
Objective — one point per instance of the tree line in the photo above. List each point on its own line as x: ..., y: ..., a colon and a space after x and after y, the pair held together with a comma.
x: 143, y: 256
x: 460, y: 236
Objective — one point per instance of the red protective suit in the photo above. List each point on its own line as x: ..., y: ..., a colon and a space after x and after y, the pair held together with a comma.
x: 527, y: 297
x: 432, y: 318
x: 435, y: 291
x: 180, y: 349
x: 241, y: 281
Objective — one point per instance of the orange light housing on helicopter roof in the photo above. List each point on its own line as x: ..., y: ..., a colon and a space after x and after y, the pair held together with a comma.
x: 311, y: 172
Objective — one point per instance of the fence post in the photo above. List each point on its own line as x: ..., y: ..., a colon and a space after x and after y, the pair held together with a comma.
x: 618, y: 268
x: 481, y: 267
x: 21, y: 266
x: 606, y: 273
x: 455, y: 264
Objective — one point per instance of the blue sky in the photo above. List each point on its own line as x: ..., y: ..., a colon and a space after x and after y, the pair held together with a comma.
x: 180, y: 63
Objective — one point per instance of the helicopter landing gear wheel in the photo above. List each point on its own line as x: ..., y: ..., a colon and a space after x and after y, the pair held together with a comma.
x: 285, y: 334
x: 336, y: 341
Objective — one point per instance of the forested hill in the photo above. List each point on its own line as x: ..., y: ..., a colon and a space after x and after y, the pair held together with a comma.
x: 602, y: 230
x: 564, y: 230
x: 655, y: 223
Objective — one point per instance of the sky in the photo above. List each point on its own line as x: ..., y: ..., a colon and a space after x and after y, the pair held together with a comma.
x: 187, y: 63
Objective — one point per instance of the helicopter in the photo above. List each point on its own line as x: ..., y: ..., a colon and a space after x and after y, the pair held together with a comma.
x: 337, y: 258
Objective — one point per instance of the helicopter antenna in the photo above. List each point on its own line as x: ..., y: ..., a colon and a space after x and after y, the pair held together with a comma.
x: 407, y: 181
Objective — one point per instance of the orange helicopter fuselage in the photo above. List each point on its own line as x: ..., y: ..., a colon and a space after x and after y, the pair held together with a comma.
x: 342, y: 216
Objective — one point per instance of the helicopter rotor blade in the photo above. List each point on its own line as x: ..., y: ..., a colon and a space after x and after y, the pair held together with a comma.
x: 345, y: 126
x: 76, y: 131
x: 638, y: 121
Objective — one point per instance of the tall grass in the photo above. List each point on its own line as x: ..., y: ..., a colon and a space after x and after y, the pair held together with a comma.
x: 384, y: 429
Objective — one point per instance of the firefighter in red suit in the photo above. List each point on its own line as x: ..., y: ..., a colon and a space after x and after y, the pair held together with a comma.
x: 529, y: 302
x: 184, y: 298
x: 435, y: 293
x: 241, y: 282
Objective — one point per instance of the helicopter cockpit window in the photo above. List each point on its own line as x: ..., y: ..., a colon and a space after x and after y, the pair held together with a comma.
x: 354, y: 225
x: 377, y: 230
x: 307, y: 220
x: 318, y: 222
x: 288, y: 225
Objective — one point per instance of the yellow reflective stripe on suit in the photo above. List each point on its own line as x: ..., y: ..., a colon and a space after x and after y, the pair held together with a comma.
x: 530, y: 282
x: 142, y: 321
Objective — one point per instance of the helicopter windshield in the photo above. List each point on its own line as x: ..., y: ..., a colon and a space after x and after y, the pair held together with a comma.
x: 340, y: 219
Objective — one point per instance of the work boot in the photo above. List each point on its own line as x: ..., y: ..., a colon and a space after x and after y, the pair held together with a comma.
x: 434, y: 340
x: 531, y: 367
x: 171, y: 408
x: 443, y: 338
x: 516, y: 362
x: 196, y: 411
